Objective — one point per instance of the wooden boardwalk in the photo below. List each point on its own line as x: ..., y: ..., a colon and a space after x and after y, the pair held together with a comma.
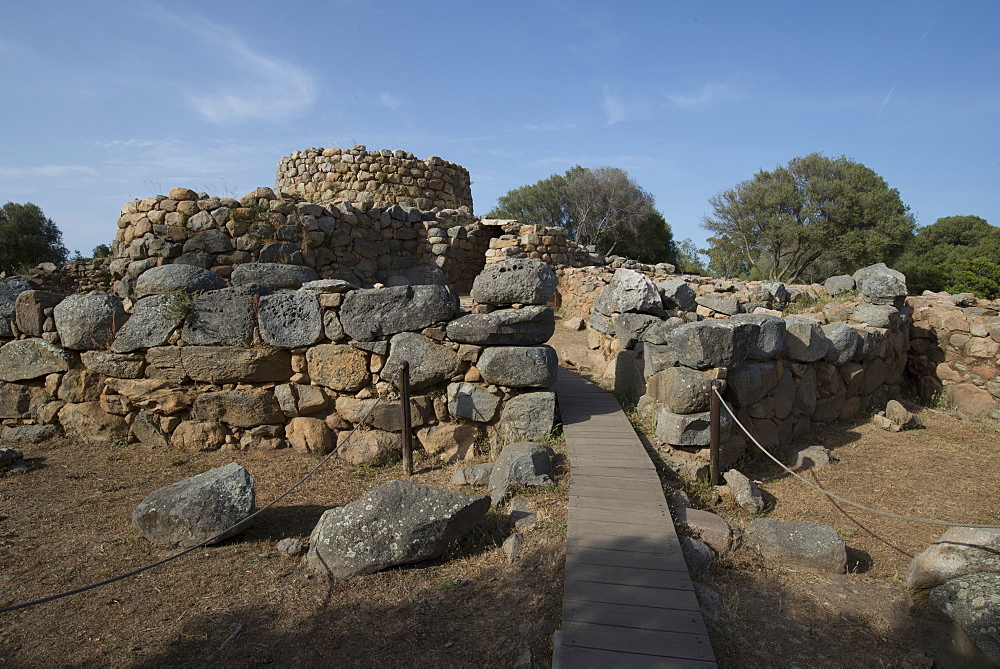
x: 628, y: 599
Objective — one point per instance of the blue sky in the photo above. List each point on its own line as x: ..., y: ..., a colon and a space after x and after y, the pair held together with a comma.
x: 107, y: 101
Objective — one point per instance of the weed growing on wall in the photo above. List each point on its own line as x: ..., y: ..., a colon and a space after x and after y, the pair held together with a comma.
x: 179, y: 304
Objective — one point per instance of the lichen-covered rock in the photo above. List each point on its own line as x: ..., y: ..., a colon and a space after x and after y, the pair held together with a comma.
x: 516, y: 281
x: 372, y: 447
x: 396, y: 523
x: 627, y: 291
x: 383, y: 415
x: 273, y: 276
x: 449, y: 441
x: 957, y: 552
x: 112, y: 364
x: 430, y: 362
x: 10, y: 289
x: 506, y: 327
x: 681, y: 389
x: 528, y: 417
x: 472, y: 402
x: 770, y: 337
x: 290, y: 319
x: 744, y: 491
x: 972, y: 602
x: 232, y: 364
x: 750, y: 382
x: 28, y: 435
x: 196, y: 509
x: 876, y: 315
x: 371, y: 315
x: 222, y: 318
x: 30, y: 306
x: 338, y: 367
x: 797, y: 545
x: 240, y: 408
x: 678, y: 295
x: 522, y: 464
x: 712, y: 343
x: 880, y: 284
x: 837, y: 285
x: 81, y: 385
x: 629, y: 327
x: 804, y: 340
x: 689, y: 429
x: 146, y: 429
x: 172, y: 278
x: 519, y: 366
x: 153, y: 320
x: 88, y: 322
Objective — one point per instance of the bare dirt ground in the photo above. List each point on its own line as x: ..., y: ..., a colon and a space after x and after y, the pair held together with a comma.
x: 66, y: 523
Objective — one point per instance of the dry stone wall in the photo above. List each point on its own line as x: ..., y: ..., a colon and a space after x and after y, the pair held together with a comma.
x: 199, y: 365
x: 548, y: 244
x: 327, y: 176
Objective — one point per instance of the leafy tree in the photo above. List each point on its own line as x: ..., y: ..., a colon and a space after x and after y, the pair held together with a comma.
x: 101, y: 251
x: 28, y: 237
x: 980, y: 276
x: 942, y: 251
x: 817, y: 215
x: 601, y: 206
x: 688, y: 258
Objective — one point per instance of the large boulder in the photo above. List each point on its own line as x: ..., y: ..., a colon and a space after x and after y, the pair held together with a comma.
x: 24, y: 359
x: 112, y: 364
x: 516, y: 281
x: 430, y: 362
x: 273, y: 276
x: 750, y: 382
x: 240, y: 408
x: 692, y: 429
x: 199, y: 435
x: 506, y: 327
x: 9, y: 291
x: 627, y: 291
x: 876, y: 315
x: 29, y: 306
x: 804, y: 340
x: 522, y: 464
x: 630, y: 328
x: 222, y: 318
x: 681, y: 389
x: 290, y: 319
x: 837, y: 285
x: 232, y: 364
x: 712, y: 343
x: 338, y: 367
x: 173, y: 278
x: 958, y: 552
x: 309, y: 435
x: 972, y: 604
x: 841, y: 342
x: 677, y: 294
x: 153, y: 320
x: 528, y: 417
x: 770, y: 337
x: 881, y: 285
x: 88, y: 322
x: 797, y: 545
x: 186, y: 513
x: 370, y: 447
x: 396, y: 523
x: 375, y: 314
x: 519, y: 366
x: 472, y: 402
x: 88, y: 423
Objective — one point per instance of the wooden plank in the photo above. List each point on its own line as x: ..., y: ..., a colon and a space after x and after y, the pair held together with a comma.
x: 576, y: 657
x: 620, y: 531
x: 624, y: 505
x: 588, y: 542
x: 614, y: 575
x: 582, y: 490
x: 618, y: 558
x: 637, y: 641
x: 636, y: 481
x: 654, y: 517
x: 626, y: 615
x: 631, y: 594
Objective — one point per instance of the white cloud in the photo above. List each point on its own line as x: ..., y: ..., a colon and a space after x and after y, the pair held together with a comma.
x: 47, y: 171
x: 271, y: 89
x: 709, y: 94
x: 614, y: 108
x: 389, y: 101
x: 551, y: 126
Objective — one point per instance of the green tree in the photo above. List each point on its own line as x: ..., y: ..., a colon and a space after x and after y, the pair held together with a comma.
x: 813, y: 217
x: 28, y: 237
x: 941, y: 251
x: 101, y: 251
x: 688, y: 257
x: 601, y: 206
x: 980, y: 276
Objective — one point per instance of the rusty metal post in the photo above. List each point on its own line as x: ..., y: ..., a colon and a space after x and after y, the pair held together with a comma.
x: 713, y: 444
x: 404, y: 396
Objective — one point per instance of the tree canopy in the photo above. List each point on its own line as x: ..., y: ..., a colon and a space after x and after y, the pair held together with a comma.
x: 601, y: 206
x: 814, y: 217
x: 955, y: 253
x: 28, y: 237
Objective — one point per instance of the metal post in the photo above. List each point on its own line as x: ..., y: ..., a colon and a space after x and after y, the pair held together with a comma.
x: 404, y: 393
x: 713, y: 448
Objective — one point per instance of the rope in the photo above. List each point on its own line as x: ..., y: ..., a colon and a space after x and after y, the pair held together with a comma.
x: 216, y: 537
x: 831, y: 495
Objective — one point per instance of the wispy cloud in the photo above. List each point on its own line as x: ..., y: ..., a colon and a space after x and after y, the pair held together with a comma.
x: 272, y: 89
x: 389, y: 101
x: 615, y: 107
x: 46, y: 171
x: 550, y: 127
x: 708, y: 95
x: 888, y: 96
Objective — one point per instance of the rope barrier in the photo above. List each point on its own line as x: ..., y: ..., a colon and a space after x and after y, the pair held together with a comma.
x: 831, y: 495
x: 216, y: 537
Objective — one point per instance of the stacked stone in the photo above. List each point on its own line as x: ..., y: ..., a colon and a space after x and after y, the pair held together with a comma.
x: 955, y: 350
x: 780, y: 375
x: 548, y: 244
x: 360, y: 243
x: 76, y: 276
x: 326, y: 176
x: 278, y: 359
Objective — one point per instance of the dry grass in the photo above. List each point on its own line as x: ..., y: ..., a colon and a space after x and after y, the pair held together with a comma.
x: 67, y: 523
